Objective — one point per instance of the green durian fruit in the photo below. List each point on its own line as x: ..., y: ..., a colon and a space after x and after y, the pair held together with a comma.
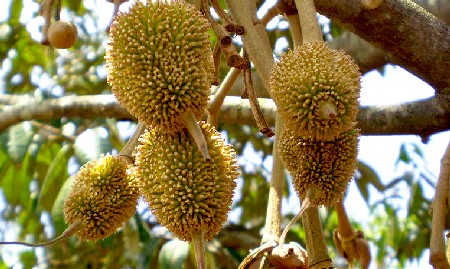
x: 320, y: 169
x: 103, y: 196
x: 316, y: 90
x: 188, y: 195
x: 159, y: 62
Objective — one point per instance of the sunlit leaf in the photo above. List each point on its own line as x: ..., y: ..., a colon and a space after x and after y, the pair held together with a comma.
x: 17, y: 140
x: 173, y: 255
x: 57, y: 208
x: 55, y: 178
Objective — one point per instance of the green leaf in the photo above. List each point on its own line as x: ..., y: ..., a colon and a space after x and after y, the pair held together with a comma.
x: 28, y: 258
x: 16, y: 10
x: 55, y: 177
x: 18, y: 139
x: 365, y: 176
x: 15, y: 182
x: 149, y: 254
x: 173, y: 255
x: 57, y: 209
x: 403, y: 155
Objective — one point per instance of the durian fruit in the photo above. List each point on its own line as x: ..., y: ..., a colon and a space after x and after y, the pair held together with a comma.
x: 189, y: 196
x: 104, y: 195
x: 159, y: 64
x: 320, y: 170
x: 316, y: 89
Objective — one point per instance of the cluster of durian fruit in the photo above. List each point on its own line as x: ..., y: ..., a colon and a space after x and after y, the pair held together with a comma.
x: 316, y: 90
x: 160, y: 68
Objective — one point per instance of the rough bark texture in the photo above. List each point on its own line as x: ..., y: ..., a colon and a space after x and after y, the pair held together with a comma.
x: 423, y: 117
x: 410, y: 36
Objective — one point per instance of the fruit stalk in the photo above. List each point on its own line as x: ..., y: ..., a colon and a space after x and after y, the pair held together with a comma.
x: 318, y: 257
x: 308, y: 21
x: 198, y: 239
x: 196, y: 132
x: 437, y: 244
x: 71, y: 230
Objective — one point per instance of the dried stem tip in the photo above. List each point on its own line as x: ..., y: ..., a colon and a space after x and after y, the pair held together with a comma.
x: 196, y: 132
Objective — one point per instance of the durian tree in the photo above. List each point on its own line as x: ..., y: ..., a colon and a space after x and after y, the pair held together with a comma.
x: 129, y: 136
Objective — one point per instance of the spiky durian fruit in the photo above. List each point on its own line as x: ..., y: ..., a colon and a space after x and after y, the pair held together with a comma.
x: 159, y: 62
x: 316, y: 90
x: 187, y: 194
x: 322, y: 168
x: 104, y: 195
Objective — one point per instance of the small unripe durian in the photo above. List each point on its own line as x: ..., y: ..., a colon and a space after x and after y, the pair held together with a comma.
x: 323, y: 168
x: 159, y: 62
x: 316, y: 90
x: 187, y: 194
x: 62, y: 34
x: 104, y: 195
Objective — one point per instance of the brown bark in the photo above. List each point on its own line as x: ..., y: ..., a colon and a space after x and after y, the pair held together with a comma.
x: 423, y: 117
x: 409, y: 35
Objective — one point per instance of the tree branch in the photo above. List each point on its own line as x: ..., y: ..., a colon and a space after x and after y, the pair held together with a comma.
x: 410, y: 36
x: 423, y: 117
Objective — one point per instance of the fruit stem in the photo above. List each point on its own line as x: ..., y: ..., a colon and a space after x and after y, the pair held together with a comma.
x: 220, y: 94
x: 308, y: 21
x: 129, y: 147
x: 46, y: 12
x: 312, y: 193
x: 277, y: 181
x: 71, y: 230
x: 198, y: 239
x: 437, y: 242
x: 318, y: 257
x: 196, y: 132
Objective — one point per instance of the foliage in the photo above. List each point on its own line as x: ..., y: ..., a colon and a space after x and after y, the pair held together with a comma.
x: 37, y: 159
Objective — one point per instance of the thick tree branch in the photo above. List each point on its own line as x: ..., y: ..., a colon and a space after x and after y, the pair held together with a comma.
x: 409, y: 35
x: 423, y: 117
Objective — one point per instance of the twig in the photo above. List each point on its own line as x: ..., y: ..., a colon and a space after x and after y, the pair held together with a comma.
x: 308, y: 21
x: 437, y: 244
x: 128, y: 149
x: 219, y: 96
x: 272, y: 227
x: 224, y: 17
x: 46, y: 12
x: 117, y: 4
x: 76, y: 226
x: 296, y: 31
x: 254, y: 104
x: 217, y: 52
x: 318, y: 257
x: 255, y: 38
x: 225, y: 41
x: 270, y: 14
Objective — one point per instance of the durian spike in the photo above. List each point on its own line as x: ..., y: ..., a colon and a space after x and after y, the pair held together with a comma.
x: 71, y: 230
x: 198, y: 239
x: 312, y: 193
x: 196, y: 132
